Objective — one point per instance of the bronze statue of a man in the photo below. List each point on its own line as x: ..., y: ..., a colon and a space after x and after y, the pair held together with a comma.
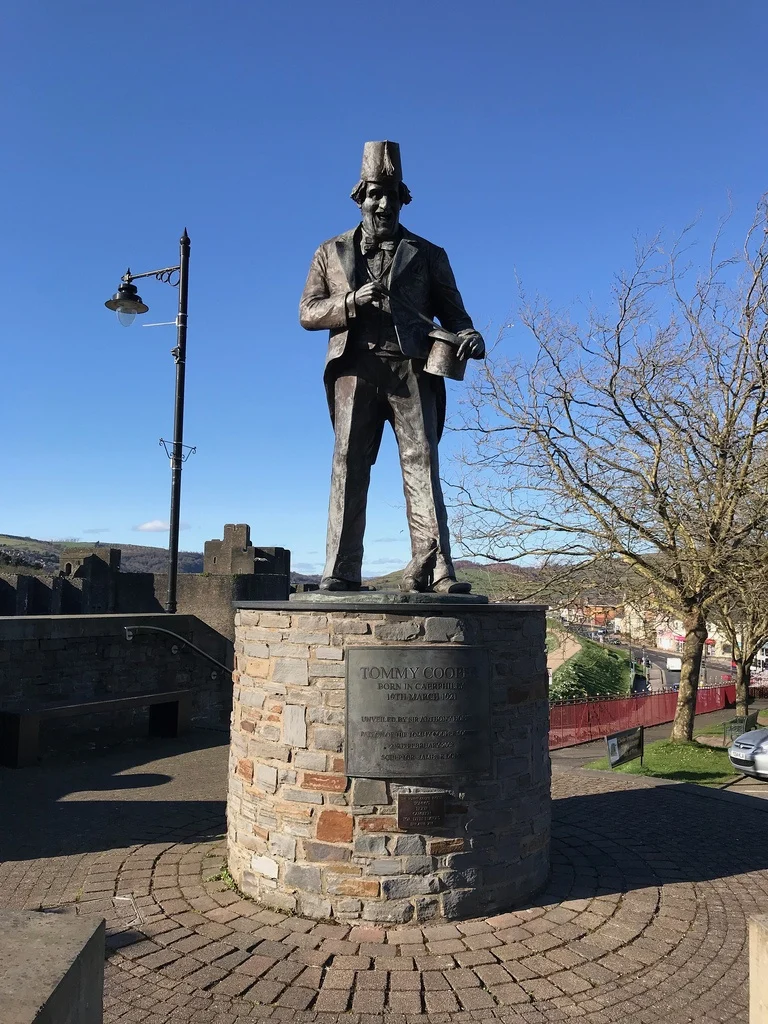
x: 376, y: 289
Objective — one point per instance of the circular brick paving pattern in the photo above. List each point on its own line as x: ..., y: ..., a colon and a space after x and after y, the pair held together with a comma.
x: 644, y: 919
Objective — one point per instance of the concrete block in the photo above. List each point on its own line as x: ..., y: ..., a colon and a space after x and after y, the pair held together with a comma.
x: 51, y: 968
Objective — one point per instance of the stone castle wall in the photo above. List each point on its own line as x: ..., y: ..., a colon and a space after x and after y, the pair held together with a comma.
x: 304, y: 837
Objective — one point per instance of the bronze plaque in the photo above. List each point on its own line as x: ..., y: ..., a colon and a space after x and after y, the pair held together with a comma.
x: 420, y: 812
x: 417, y: 712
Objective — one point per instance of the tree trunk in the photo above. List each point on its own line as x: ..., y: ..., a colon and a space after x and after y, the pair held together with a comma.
x: 742, y: 688
x: 695, y: 625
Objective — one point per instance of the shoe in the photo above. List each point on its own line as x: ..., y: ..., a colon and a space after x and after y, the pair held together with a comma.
x: 412, y: 585
x: 450, y: 585
x: 333, y: 583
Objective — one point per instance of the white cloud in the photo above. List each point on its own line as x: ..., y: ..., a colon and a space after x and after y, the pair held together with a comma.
x: 153, y: 526
x: 157, y: 526
x: 97, y: 529
x: 307, y: 568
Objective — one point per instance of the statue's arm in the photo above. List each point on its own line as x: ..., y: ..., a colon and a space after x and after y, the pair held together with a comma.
x: 449, y: 305
x: 320, y: 308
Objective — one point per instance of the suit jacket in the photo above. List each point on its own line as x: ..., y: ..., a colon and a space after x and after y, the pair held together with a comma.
x: 420, y: 273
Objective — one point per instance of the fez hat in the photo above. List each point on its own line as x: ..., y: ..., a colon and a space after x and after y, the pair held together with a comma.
x: 382, y: 164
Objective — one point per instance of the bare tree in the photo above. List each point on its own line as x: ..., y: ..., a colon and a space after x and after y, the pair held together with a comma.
x: 638, y: 435
x: 742, y: 615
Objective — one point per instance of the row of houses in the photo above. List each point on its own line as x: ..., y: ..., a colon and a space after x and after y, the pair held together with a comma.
x: 646, y: 625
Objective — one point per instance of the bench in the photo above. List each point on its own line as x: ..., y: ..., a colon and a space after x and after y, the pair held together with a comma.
x: 169, y: 714
x: 736, y: 727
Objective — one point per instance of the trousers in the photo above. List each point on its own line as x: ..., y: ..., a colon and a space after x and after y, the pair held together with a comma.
x: 370, y: 390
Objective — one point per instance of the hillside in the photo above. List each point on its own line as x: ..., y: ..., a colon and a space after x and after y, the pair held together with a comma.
x: 500, y: 582
x: 32, y: 556
x: 28, y: 554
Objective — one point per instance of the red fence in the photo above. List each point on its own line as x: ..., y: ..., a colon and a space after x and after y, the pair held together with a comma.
x: 573, y: 722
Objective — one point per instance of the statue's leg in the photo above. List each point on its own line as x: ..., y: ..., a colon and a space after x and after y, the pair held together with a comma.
x: 414, y: 418
x: 357, y: 419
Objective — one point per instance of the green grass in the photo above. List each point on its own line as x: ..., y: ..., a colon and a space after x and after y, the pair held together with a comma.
x: 683, y: 762
x: 594, y: 671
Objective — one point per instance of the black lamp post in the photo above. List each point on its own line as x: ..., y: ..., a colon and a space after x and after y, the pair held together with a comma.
x: 127, y: 304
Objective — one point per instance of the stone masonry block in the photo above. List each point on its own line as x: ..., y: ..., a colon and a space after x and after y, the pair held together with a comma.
x: 408, y: 845
x: 324, y: 781
x: 328, y: 669
x: 372, y: 846
x: 290, y: 670
x: 397, y: 630
x: 263, y: 750
x: 367, y: 887
x: 295, y: 725
x: 315, y: 907
x: 443, y: 628
x: 303, y: 796
x: 334, y: 826
x: 325, y: 737
x: 353, y: 626
x: 310, y: 638
x: 329, y: 654
x: 264, y: 866
x: 282, y: 846
x: 303, y: 876
x: 396, y: 888
x: 312, y: 759
x: 388, y: 913
x: 266, y: 776
x: 369, y: 793
x: 325, y: 852
x: 256, y: 650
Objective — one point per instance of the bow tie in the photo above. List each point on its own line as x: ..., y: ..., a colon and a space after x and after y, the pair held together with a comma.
x: 371, y: 246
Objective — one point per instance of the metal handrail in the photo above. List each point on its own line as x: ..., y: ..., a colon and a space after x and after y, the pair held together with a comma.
x: 130, y: 632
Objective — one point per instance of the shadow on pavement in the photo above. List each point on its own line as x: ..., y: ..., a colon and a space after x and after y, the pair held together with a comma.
x: 635, y: 838
x: 148, y: 792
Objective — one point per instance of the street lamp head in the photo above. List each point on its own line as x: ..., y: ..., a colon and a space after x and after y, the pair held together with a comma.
x: 126, y: 302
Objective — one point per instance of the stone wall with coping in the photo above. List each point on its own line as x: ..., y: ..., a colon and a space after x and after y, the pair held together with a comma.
x: 52, y: 658
x: 304, y: 837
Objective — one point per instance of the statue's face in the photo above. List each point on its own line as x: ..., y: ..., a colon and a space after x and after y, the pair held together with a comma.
x: 381, y: 209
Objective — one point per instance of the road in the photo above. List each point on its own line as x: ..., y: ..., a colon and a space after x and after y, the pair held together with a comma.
x: 659, y: 677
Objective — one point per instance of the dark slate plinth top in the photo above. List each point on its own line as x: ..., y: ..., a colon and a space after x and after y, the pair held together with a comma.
x: 393, y: 601
x: 368, y: 597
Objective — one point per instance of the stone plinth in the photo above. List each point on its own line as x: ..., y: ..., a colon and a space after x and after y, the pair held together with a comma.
x: 305, y: 837
x: 51, y: 968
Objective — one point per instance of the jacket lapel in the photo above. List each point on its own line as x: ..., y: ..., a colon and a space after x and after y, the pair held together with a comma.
x: 345, y: 250
x: 406, y: 251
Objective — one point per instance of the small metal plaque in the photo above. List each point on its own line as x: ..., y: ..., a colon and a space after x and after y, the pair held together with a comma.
x: 417, y: 712
x: 420, y: 812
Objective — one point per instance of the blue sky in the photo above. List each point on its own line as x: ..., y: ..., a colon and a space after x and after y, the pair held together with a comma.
x: 538, y: 139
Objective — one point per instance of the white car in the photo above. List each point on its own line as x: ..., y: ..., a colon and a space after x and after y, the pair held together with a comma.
x: 749, y: 753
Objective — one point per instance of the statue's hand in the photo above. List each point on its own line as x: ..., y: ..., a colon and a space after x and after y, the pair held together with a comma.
x: 374, y: 291
x: 472, y: 345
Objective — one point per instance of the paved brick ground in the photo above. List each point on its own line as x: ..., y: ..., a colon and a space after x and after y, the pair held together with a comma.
x: 644, y: 919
